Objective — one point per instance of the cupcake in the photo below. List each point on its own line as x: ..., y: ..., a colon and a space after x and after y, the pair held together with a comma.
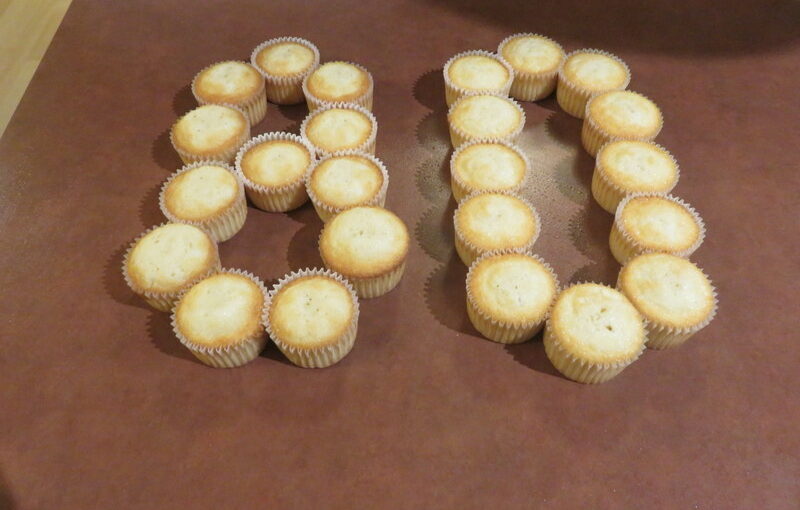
x: 536, y: 60
x: 219, y: 319
x: 624, y: 167
x: 338, y: 82
x: 168, y: 259
x: 653, y: 222
x: 210, y: 132
x: 675, y: 297
x: 478, y: 117
x: 235, y: 83
x: 346, y: 179
x: 207, y: 194
x: 586, y: 73
x: 593, y: 333
x: 490, y: 221
x: 368, y: 246
x: 272, y: 167
x: 474, y: 72
x: 340, y: 127
x: 487, y: 165
x: 509, y: 294
x: 313, y: 317
x: 285, y: 62
x: 619, y: 115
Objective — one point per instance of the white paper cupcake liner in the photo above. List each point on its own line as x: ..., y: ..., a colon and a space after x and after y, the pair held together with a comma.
x: 326, y: 211
x: 254, y: 108
x: 500, y: 331
x: 315, y: 357
x: 461, y: 189
x: 274, y: 198
x: 594, y: 136
x: 458, y: 136
x: 365, y: 100
x: 453, y: 92
x: 528, y: 86
x: 286, y: 90
x: 236, y: 354
x: 226, y: 155
x: 164, y: 301
x: 368, y: 288
x: 367, y: 146
x: 572, y: 98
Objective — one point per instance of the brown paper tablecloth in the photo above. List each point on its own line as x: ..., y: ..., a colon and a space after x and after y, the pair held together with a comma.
x: 100, y: 407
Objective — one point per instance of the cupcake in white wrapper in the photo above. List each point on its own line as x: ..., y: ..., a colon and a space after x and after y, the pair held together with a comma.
x: 536, y: 60
x: 586, y: 73
x: 476, y: 72
x: 232, y: 82
x: 340, y: 127
x: 339, y: 82
x: 210, y: 132
x: 488, y: 165
x: 619, y: 115
x: 285, y: 62
x: 482, y: 116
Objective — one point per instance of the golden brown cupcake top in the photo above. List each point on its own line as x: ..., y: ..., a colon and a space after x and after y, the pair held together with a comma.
x: 635, y: 166
x: 486, y: 116
x: 276, y: 163
x: 595, y: 71
x: 534, y: 54
x: 228, y: 82
x: 338, y: 129
x: 209, y: 130
x: 285, y: 58
x: 338, y: 82
x: 659, y: 224
x: 496, y: 221
x: 200, y: 193
x: 488, y: 166
x: 346, y: 180
x: 478, y: 72
x: 625, y: 114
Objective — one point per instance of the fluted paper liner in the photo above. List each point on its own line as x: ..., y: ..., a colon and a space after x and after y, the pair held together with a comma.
x: 234, y: 355
x: 594, y: 136
x: 453, y: 92
x: 274, y: 198
x: 326, y: 211
x: 461, y: 189
x: 314, y: 357
x: 572, y: 98
x: 285, y: 89
x: 458, y: 136
x: 528, y: 86
x: 500, y: 331
x: 254, y: 108
x: 365, y: 100
x: 227, y: 155
x: 367, y: 146
x: 164, y: 301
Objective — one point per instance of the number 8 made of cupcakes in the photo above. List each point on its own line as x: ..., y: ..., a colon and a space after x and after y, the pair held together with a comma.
x: 224, y: 316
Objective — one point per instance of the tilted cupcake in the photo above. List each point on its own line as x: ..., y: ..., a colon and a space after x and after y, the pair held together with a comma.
x: 346, y: 179
x: 168, y: 259
x: 285, y: 62
x: 232, y: 82
x: 586, y: 73
x: 340, y: 127
x: 207, y: 194
x: 619, y: 115
x: 509, y: 294
x: 272, y: 167
x: 338, y: 82
x: 368, y: 246
x: 474, y: 72
x: 491, y: 221
x: 478, y: 117
x: 593, y: 333
x: 487, y: 165
x: 653, y: 222
x: 210, y: 132
x: 675, y: 297
x: 536, y: 60
x: 626, y: 167
x: 312, y: 317
x: 219, y: 319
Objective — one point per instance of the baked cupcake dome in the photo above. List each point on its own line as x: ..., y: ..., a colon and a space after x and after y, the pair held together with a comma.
x: 655, y: 222
x: 619, y: 115
x: 210, y: 132
x: 285, y: 62
x: 476, y: 71
x: 675, y: 297
x: 509, y: 294
x: 536, y: 60
x: 482, y: 116
x: 628, y: 166
x: 340, y: 127
x: 491, y: 221
x: 346, y: 179
x: 219, y: 319
x: 232, y: 82
x: 272, y: 167
x: 165, y: 260
x: 368, y: 246
x: 338, y: 82
x: 586, y: 73
x: 206, y: 194
x: 312, y: 317
x: 593, y: 333
x: 487, y: 165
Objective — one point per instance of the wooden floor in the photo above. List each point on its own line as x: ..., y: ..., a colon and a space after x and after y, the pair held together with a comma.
x: 26, y: 29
